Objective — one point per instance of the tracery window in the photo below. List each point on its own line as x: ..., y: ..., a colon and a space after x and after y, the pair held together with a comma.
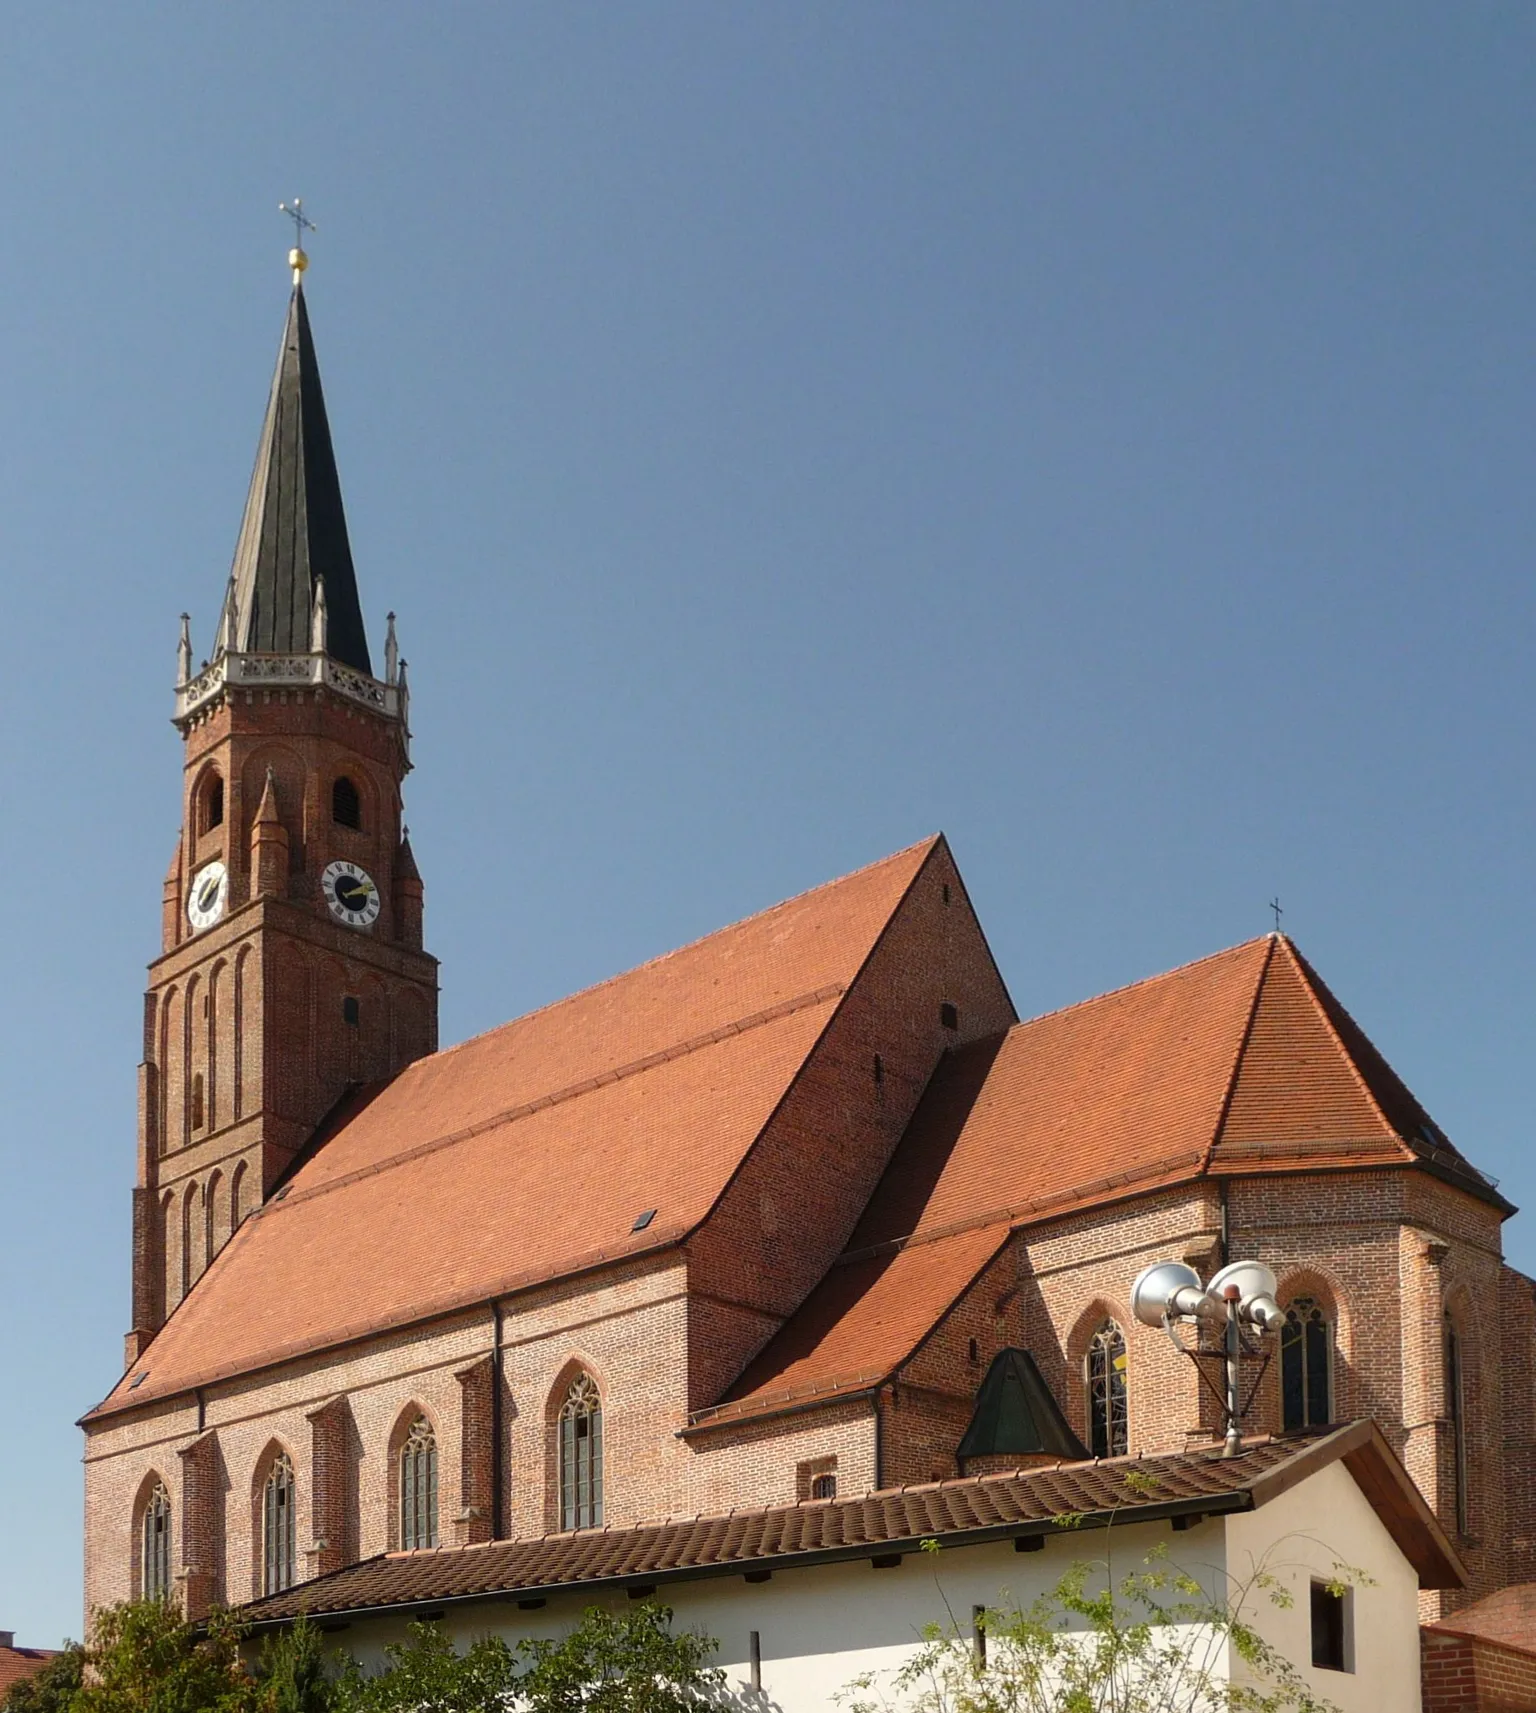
x: 278, y: 1531
x: 581, y: 1456
x: 155, y: 1546
x: 1108, y: 1435
x: 418, y: 1487
x: 1306, y: 1377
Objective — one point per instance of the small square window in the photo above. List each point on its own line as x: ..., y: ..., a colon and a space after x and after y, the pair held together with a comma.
x: 349, y: 1011
x: 1330, y: 1628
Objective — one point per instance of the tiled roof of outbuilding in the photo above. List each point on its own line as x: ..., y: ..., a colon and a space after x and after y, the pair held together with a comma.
x: 17, y: 1664
x: 1025, y: 1502
x: 1242, y: 1062
x: 527, y: 1153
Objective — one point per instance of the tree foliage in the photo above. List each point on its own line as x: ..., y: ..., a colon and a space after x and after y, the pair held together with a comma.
x: 1152, y: 1641
x: 51, y: 1690
x: 143, y: 1657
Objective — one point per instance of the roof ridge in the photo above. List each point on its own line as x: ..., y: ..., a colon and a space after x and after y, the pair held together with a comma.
x: 1142, y: 981
x: 1309, y: 980
x: 1244, y: 1039
x: 924, y: 844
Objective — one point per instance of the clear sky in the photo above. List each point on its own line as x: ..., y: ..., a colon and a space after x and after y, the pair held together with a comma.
x: 1102, y: 433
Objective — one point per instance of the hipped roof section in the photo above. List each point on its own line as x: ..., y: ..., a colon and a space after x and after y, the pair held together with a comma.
x: 1243, y: 1062
x: 528, y: 1153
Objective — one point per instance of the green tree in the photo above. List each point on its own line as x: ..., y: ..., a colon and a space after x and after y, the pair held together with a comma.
x: 620, y: 1662
x: 52, y: 1690
x: 295, y: 1674
x: 1153, y: 1641
x: 426, y: 1675
x: 143, y: 1657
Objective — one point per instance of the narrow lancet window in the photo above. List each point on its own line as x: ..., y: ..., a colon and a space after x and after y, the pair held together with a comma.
x: 1107, y: 1416
x: 346, y: 804
x: 1306, y: 1348
x: 581, y: 1456
x: 418, y: 1487
x: 278, y: 1531
x: 155, y: 1546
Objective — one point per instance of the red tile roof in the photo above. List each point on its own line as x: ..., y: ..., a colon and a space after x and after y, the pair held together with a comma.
x: 1242, y: 1062
x: 954, y: 1512
x: 528, y: 1152
x: 19, y: 1663
x: 1507, y: 1617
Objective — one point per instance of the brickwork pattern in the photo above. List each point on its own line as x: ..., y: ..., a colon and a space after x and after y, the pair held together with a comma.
x: 1462, y: 1674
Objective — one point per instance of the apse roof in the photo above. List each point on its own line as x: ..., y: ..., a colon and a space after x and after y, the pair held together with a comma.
x: 1243, y: 1062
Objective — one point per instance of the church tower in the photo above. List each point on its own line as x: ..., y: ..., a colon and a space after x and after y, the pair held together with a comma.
x: 291, y: 970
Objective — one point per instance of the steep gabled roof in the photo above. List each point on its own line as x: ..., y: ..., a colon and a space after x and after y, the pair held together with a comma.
x: 295, y: 529
x: 529, y: 1153
x: 1241, y: 1062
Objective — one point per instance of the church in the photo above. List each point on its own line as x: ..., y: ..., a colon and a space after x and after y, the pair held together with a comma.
x: 774, y: 1220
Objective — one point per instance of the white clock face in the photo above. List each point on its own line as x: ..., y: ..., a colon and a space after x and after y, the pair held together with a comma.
x: 351, y: 894
x: 209, y: 894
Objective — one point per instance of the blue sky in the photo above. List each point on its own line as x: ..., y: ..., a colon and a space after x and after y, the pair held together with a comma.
x: 1100, y: 432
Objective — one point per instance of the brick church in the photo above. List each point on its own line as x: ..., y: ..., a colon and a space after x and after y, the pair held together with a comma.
x: 752, y: 1223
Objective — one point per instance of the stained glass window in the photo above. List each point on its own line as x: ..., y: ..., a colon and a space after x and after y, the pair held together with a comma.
x: 278, y: 1531
x: 155, y: 1560
x: 1306, y: 1384
x: 418, y: 1487
x: 581, y: 1456
x: 1106, y: 1392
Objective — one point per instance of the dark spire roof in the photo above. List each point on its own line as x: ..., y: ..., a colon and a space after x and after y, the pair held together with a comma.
x: 295, y: 529
x: 1016, y: 1416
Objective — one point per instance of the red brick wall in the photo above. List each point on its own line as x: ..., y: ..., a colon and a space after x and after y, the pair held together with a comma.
x: 1467, y: 1675
x: 791, y: 1207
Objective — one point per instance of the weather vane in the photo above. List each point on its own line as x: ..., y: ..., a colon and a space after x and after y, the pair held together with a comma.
x: 302, y: 223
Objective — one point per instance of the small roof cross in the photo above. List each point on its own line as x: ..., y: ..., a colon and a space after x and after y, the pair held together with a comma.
x: 302, y: 223
x: 1274, y: 905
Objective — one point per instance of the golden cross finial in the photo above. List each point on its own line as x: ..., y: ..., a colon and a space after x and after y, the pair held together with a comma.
x: 302, y: 223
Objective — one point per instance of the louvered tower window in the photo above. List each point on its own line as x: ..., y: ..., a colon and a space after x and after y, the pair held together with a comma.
x: 155, y: 1547
x: 278, y: 1532
x: 418, y: 1487
x: 581, y: 1456
x: 1306, y: 1385
x: 1106, y: 1392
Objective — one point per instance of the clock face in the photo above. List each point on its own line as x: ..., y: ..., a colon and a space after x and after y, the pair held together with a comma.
x: 351, y: 894
x: 209, y: 894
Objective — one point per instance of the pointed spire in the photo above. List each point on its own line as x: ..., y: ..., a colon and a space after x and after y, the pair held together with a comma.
x: 294, y: 532
x: 184, y: 650
x: 266, y: 809
x: 391, y: 651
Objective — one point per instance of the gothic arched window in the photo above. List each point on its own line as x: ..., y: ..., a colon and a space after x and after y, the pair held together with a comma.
x: 418, y: 1486
x: 1455, y: 1410
x: 346, y: 804
x: 212, y: 805
x: 1306, y: 1378
x: 581, y: 1456
x: 1108, y: 1434
x: 278, y: 1531
x: 155, y: 1546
